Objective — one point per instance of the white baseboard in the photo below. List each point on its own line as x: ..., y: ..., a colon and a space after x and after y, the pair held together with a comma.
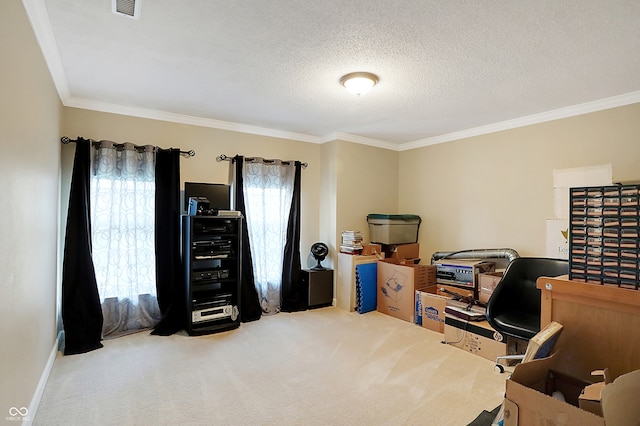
x: 37, y: 395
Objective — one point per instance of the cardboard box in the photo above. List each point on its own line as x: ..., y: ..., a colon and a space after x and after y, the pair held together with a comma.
x: 590, y: 399
x: 402, y: 251
x: 620, y: 399
x: 487, y: 282
x: 398, y: 281
x: 530, y: 402
x: 372, y: 249
x: 430, y: 309
x: 475, y: 337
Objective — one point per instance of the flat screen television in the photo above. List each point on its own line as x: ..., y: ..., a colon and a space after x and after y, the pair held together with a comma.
x: 218, y: 194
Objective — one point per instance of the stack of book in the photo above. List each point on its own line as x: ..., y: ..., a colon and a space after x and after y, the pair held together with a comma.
x: 351, y: 242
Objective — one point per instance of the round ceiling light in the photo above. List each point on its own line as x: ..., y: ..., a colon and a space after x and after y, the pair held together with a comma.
x: 359, y: 83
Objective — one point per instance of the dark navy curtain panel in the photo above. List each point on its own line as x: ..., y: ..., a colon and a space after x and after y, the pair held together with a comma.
x: 294, y: 296
x: 250, y: 309
x: 81, y: 311
x: 170, y: 286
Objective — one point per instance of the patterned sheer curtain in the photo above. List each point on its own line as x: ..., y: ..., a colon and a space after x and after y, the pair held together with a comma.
x: 268, y: 190
x: 122, y: 221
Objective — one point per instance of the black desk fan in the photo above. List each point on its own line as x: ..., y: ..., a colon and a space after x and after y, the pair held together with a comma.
x: 319, y: 252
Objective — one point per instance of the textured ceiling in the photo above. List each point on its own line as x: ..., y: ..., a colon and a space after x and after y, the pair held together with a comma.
x: 445, y: 67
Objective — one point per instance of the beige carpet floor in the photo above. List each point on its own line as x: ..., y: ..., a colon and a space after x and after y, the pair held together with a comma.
x: 318, y: 367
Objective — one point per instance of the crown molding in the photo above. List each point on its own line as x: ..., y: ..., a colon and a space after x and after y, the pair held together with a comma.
x: 185, y: 119
x: 557, y: 114
x: 41, y: 25
x: 347, y: 137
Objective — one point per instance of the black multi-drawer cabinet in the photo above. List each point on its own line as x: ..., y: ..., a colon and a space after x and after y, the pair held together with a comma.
x: 604, y: 229
x: 212, y: 266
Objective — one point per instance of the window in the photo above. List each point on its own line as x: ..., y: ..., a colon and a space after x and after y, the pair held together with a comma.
x: 123, y: 237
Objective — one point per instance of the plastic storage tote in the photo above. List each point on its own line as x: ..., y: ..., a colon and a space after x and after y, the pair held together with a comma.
x: 393, y: 228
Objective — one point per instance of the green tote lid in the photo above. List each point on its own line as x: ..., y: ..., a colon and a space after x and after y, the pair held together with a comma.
x: 403, y: 217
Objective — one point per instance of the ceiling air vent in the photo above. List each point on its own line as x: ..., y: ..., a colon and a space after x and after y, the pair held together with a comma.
x: 129, y: 8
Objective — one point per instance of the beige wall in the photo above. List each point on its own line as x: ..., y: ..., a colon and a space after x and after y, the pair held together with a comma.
x: 367, y: 182
x: 496, y: 190
x: 208, y: 143
x: 356, y: 180
x: 328, y: 201
x: 29, y: 174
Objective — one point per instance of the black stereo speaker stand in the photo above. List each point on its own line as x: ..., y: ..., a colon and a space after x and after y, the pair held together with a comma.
x: 212, y: 260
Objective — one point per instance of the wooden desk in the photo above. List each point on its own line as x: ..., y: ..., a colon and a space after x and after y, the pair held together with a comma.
x: 601, y: 330
x: 601, y: 325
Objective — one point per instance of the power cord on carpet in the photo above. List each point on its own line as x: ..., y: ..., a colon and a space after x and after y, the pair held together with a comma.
x: 464, y: 333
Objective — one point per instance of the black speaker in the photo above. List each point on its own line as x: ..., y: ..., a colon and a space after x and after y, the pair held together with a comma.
x: 320, y: 286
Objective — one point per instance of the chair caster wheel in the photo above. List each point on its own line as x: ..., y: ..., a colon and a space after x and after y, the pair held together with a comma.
x: 498, y: 368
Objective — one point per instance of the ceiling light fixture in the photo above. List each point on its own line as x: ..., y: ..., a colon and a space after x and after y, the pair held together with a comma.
x: 359, y: 83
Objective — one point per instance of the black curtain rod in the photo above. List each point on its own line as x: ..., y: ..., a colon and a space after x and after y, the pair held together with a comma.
x: 223, y: 157
x: 65, y: 140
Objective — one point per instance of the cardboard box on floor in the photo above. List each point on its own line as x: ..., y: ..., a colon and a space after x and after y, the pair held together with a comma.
x: 398, y: 281
x: 529, y: 397
x: 599, y: 322
x: 476, y: 337
x: 528, y: 402
x: 430, y: 309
